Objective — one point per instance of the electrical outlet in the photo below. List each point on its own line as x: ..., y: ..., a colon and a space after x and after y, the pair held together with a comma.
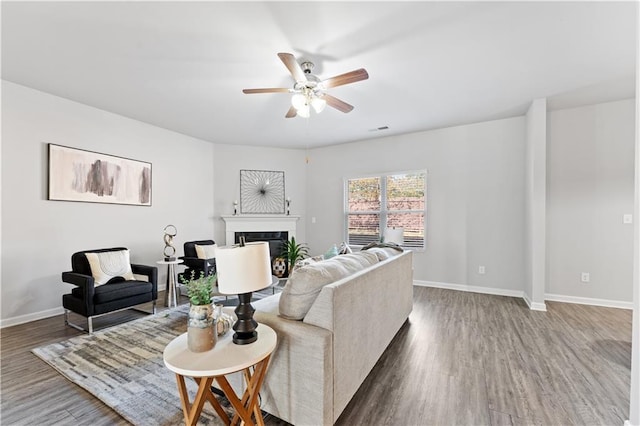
x: 585, y: 277
x: 481, y: 270
x: 627, y: 219
x: 313, y: 219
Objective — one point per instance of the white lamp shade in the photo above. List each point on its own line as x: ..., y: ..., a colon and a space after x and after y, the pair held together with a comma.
x: 318, y: 104
x: 394, y: 235
x: 304, y: 112
x: 243, y: 269
x: 298, y: 101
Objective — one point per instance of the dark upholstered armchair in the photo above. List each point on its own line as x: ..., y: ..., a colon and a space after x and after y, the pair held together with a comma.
x: 104, y: 282
x: 196, y: 263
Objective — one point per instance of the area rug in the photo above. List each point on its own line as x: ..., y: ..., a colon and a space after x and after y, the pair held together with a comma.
x: 123, y: 367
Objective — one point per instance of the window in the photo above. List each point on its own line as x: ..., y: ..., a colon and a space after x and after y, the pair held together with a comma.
x: 391, y: 200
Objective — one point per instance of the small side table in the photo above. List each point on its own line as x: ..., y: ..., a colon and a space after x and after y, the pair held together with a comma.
x: 170, y: 293
x: 225, y: 358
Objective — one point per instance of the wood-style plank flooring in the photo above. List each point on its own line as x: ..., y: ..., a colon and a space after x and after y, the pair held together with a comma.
x: 461, y: 359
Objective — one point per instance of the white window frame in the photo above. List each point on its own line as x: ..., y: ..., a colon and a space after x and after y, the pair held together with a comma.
x: 383, y: 204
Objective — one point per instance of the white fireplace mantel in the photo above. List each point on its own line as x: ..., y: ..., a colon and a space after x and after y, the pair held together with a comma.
x: 258, y: 223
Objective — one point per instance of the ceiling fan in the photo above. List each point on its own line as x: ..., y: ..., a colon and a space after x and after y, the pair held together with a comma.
x: 309, y: 91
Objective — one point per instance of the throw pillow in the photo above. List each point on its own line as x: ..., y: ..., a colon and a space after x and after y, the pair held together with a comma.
x: 109, y: 264
x: 383, y: 253
x: 308, y: 261
x: 344, y: 248
x: 333, y: 251
x: 206, y: 251
x: 306, y: 282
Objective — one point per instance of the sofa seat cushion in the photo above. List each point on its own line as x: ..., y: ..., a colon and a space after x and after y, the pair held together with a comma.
x: 305, y: 283
x: 116, y: 291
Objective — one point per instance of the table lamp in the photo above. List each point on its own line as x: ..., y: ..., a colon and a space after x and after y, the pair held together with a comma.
x: 394, y: 235
x: 241, y: 270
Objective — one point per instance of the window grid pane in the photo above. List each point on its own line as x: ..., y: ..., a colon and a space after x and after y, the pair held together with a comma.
x: 364, y: 194
x: 413, y: 224
x: 405, y: 192
x: 363, y: 229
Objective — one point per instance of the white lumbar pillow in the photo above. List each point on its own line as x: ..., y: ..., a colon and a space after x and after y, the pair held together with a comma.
x: 206, y: 251
x: 110, y: 264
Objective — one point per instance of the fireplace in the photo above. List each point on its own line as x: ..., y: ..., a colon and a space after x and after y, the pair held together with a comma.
x: 274, y: 238
x: 270, y: 228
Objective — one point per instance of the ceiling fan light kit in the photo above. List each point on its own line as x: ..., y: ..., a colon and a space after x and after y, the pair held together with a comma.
x: 309, y: 92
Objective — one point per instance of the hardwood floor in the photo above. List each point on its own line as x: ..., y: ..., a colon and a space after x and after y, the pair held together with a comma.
x: 461, y: 359
x: 473, y: 359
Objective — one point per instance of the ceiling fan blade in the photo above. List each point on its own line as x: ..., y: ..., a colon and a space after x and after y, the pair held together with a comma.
x: 346, y: 78
x: 292, y: 65
x: 291, y: 113
x: 270, y: 90
x: 336, y: 103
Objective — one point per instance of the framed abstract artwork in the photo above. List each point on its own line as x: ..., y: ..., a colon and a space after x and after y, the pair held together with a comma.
x: 79, y: 175
x: 261, y: 192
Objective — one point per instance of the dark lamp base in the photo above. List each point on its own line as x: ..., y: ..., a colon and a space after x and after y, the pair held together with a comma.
x: 245, y: 338
x: 245, y: 326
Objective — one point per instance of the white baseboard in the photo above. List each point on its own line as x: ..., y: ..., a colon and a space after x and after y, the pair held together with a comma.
x: 534, y: 306
x: 589, y: 301
x: 470, y: 288
x: 21, y: 319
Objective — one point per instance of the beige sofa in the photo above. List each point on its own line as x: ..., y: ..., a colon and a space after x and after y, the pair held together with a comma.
x: 321, y: 360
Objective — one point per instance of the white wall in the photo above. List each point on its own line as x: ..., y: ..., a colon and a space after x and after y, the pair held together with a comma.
x: 230, y: 159
x: 634, y: 397
x: 476, y: 209
x: 590, y: 186
x: 475, y: 198
x: 39, y: 236
x: 535, y: 204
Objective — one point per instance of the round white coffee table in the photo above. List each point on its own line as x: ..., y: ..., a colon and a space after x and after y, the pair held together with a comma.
x: 225, y: 358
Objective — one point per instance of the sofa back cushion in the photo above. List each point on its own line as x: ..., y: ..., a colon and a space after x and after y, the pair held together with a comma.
x: 305, y: 283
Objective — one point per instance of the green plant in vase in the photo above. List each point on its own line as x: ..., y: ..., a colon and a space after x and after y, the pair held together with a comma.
x: 293, y: 251
x: 201, y: 335
x: 199, y: 289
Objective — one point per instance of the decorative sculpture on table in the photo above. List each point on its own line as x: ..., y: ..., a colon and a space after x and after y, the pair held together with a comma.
x: 170, y: 231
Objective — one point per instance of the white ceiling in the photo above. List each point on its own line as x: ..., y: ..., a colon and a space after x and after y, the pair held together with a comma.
x: 182, y: 66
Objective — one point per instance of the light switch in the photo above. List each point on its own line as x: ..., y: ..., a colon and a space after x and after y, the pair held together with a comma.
x: 313, y: 219
x: 627, y: 218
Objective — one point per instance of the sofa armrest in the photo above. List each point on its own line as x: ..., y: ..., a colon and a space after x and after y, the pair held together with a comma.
x: 151, y: 272
x: 365, y: 311
x: 80, y: 280
x: 86, y: 282
x: 298, y: 387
